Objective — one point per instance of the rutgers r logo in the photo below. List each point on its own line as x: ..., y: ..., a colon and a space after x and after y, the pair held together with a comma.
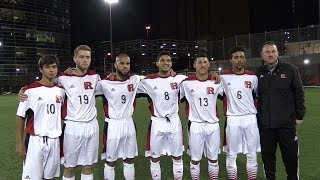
x: 88, y: 85
x: 174, y: 85
x: 247, y: 84
x: 210, y: 90
x: 130, y: 87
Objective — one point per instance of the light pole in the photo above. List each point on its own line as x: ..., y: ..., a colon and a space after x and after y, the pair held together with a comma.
x: 110, y: 4
x: 148, y: 28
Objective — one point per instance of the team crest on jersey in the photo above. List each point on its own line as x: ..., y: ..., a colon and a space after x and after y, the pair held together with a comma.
x: 87, y: 85
x: 130, y: 87
x: 210, y: 90
x: 174, y: 85
x: 58, y: 99
x: 247, y: 84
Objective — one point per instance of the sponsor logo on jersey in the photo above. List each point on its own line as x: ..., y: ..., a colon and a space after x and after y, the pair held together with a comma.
x: 113, y: 89
x: 58, y: 99
x: 27, y: 177
x: 229, y: 84
x: 72, y: 86
x: 192, y: 90
x: 39, y: 99
x: 155, y: 88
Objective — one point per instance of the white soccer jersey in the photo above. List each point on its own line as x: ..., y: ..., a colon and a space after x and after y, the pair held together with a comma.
x: 80, y: 104
x: 239, y: 90
x: 201, y: 99
x: 42, y: 109
x: 164, y: 94
x: 119, y: 96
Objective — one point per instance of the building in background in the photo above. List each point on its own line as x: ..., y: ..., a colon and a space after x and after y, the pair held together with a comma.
x: 29, y: 29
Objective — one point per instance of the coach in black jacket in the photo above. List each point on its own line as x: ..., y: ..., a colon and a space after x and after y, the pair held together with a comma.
x: 280, y: 108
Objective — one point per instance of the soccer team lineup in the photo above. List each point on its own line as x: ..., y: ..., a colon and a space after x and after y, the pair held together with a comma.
x: 58, y: 134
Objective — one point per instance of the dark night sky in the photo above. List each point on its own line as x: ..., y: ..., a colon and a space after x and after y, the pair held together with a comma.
x: 90, y: 18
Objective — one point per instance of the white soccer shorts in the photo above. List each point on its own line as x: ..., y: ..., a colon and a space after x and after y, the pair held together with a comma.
x: 80, y: 143
x: 242, y: 135
x: 165, y: 137
x: 43, y: 158
x: 204, y: 138
x: 119, y: 140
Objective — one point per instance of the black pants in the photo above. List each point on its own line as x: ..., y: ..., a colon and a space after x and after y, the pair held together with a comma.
x: 288, y: 142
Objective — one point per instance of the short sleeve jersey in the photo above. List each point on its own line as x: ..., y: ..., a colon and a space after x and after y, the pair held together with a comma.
x: 42, y: 109
x: 240, y: 91
x: 80, y: 104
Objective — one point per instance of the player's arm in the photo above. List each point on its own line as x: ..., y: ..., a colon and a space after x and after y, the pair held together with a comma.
x: 22, y: 96
x: 182, y: 93
x: 20, y: 148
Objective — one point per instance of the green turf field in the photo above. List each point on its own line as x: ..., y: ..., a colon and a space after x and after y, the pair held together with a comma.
x: 11, y: 165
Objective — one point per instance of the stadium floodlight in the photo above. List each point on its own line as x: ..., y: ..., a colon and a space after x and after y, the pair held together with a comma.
x: 219, y: 68
x: 0, y: 43
x: 306, y: 61
x: 37, y: 77
x: 17, y: 69
x: 111, y: 1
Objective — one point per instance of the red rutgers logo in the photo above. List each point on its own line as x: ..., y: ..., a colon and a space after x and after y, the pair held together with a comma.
x: 88, y: 85
x: 174, y: 85
x: 58, y: 99
x: 210, y: 90
x: 247, y: 84
x: 130, y: 87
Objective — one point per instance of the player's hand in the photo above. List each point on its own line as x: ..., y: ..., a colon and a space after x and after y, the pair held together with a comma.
x: 22, y: 96
x: 215, y: 76
x: 112, y: 76
x: 21, y: 150
x: 69, y: 71
x: 172, y: 73
x: 298, y: 121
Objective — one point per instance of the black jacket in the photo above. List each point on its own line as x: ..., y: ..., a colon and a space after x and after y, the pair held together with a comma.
x: 280, y: 96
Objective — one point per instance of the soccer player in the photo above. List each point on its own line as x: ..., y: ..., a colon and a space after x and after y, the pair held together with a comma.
x: 242, y: 133
x: 81, y: 129
x: 165, y: 136
x: 281, y: 106
x: 119, y: 136
x: 201, y: 94
x: 40, y: 116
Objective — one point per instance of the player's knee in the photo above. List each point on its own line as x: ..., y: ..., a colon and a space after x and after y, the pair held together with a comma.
x: 195, y: 162
x: 155, y: 160
x: 87, y: 170
x: 176, y: 158
x: 129, y: 160
x: 111, y: 163
x: 69, y: 172
x: 212, y: 161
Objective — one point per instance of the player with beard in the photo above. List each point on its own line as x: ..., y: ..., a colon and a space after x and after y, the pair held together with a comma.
x: 242, y: 134
x: 119, y: 136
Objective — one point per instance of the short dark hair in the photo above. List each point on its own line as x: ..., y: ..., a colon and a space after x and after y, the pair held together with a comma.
x: 268, y: 43
x: 48, y: 59
x: 163, y: 53
x: 81, y: 47
x: 201, y: 54
x: 236, y: 49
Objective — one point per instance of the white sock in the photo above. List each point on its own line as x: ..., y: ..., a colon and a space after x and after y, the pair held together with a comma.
x: 155, y: 170
x: 213, y: 170
x: 252, y: 166
x: 231, y: 163
x: 86, y: 176
x: 71, y: 178
x: 128, y: 171
x: 108, y: 172
x: 177, y: 168
x: 195, y: 171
